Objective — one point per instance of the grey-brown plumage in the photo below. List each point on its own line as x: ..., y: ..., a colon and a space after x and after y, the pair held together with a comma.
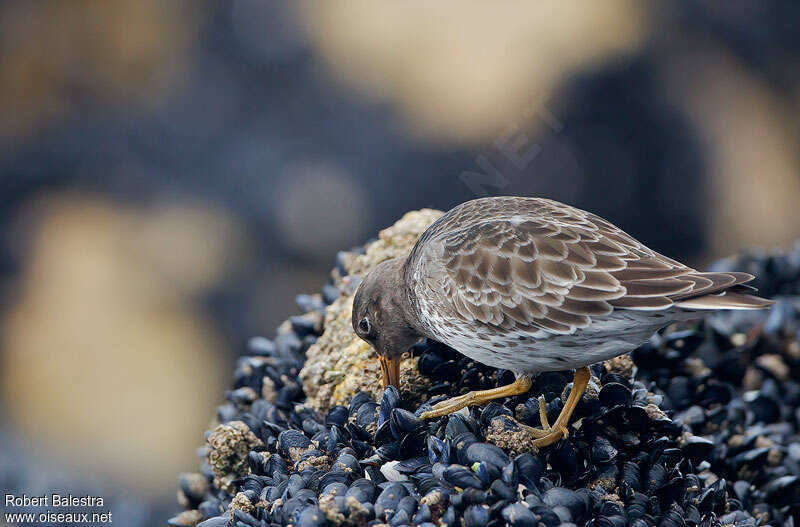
x: 532, y: 285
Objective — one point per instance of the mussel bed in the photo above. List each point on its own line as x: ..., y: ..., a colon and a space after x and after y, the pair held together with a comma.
x: 699, y: 426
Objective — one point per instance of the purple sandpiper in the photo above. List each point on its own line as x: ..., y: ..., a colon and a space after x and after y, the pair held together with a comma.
x: 532, y: 285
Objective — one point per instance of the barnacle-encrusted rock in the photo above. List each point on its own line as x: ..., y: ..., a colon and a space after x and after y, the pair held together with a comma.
x: 357, y: 516
x: 509, y: 435
x: 606, y: 483
x: 241, y: 502
x: 655, y: 413
x: 228, y: 446
x: 340, y: 364
x: 622, y: 365
x: 313, y: 462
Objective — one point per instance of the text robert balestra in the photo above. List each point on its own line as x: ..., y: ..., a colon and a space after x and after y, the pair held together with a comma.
x: 53, y: 500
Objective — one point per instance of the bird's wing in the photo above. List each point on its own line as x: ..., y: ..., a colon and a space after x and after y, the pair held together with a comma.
x: 554, y: 267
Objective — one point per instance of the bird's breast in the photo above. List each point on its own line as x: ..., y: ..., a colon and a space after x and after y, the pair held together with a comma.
x: 531, y: 352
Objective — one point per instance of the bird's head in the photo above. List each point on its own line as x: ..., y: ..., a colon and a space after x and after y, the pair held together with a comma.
x: 380, y: 317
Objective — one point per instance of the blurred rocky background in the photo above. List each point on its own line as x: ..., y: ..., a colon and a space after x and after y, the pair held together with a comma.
x: 173, y: 173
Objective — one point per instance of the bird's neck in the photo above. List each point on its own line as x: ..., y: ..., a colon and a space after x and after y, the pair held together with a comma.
x: 399, y: 288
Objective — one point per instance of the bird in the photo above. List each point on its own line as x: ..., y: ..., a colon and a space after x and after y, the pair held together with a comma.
x: 531, y: 285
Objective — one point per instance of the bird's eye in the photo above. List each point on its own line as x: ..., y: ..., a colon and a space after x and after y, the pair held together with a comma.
x: 364, y: 326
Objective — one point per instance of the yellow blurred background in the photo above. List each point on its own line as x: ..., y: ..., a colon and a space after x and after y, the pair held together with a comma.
x: 173, y: 173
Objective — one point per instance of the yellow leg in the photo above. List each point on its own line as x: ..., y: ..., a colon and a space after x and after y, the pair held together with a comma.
x: 518, y: 387
x: 548, y: 435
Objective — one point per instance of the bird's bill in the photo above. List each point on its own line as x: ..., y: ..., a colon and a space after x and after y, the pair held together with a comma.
x: 390, y: 371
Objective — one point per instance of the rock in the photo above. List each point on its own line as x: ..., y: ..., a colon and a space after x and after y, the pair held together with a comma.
x: 228, y: 448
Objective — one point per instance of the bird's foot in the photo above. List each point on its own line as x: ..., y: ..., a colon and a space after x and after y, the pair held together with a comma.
x: 546, y: 429
x: 552, y: 433
x: 547, y: 435
x: 520, y: 386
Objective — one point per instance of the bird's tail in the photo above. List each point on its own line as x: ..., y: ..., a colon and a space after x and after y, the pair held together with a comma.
x: 727, y: 291
x: 725, y: 300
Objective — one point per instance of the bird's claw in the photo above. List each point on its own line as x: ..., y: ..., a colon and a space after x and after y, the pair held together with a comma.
x: 547, y: 436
